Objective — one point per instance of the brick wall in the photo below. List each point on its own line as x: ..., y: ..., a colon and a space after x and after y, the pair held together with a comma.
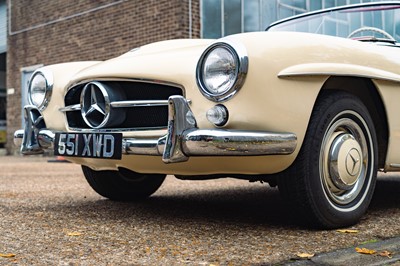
x: 54, y: 31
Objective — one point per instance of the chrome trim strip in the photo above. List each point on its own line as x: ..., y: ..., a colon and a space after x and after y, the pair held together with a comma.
x: 121, y: 104
x: 18, y: 136
x: 221, y: 142
x: 144, y: 103
x: 34, y: 124
x: 46, y: 139
x: 182, y: 140
x: 115, y: 130
x: 180, y: 120
x: 395, y: 165
x: 75, y: 107
x: 336, y: 69
x: 332, y: 9
x: 142, y: 147
x: 196, y: 143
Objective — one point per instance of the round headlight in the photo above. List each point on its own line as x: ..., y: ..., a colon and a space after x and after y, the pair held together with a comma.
x: 40, y: 87
x: 221, y: 70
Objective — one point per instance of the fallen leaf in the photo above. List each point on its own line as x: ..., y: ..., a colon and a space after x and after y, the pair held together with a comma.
x: 385, y: 254
x: 74, y: 234
x: 148, y: 250
x: 305, y: 255
x: 347, y: 231
x: 365, y: 251
x: 9, y: 255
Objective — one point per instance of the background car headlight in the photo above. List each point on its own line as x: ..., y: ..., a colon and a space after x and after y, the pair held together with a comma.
x: 221, y: 70
x: 40, y: 88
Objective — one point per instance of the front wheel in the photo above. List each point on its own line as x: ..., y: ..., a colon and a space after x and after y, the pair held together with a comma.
x: 333, y: 178
x: 123, y: 185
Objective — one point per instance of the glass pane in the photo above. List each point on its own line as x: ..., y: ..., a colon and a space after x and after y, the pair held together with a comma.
x: 388, y: 19
x: 284, y: 12
x: 355, y: 21
x: 341, y: 2
x: 343, y: 30
x: 252, y: 15
x: 315, y: 5
x: 367, y: 19
x: 330, y: 28
x: 232, y: 16
x: 211, y: 18
x: 329, y: 3
x: 295, y: 3
x: 268, y: 13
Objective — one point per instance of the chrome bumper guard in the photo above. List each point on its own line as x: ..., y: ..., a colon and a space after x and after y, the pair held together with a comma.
x: 182, y: 140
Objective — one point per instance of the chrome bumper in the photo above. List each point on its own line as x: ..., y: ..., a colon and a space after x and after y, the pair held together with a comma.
x: 183, y: 138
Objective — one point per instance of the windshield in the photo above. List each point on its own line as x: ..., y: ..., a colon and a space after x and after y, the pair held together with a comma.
x: 355, y: 21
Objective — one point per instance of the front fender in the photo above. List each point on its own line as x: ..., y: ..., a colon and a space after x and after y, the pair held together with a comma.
x: 337, y: 69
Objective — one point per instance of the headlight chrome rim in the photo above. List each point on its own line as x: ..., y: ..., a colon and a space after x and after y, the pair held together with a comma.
x: 49, y: 82
x: 238, y: 51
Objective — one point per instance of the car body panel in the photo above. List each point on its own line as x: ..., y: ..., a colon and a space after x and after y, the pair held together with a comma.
x: 277, y: 76
x: 314, y: 114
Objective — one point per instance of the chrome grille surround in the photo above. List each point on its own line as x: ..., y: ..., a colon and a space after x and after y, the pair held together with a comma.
x: 141, y: 105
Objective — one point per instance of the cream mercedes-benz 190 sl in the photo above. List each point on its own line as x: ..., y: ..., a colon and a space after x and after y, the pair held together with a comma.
x: 310, y: 105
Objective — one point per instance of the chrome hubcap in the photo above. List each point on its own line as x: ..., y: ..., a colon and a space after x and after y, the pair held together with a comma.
x: 344, y: 159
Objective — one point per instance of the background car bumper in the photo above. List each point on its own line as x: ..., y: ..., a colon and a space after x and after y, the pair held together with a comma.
x: 183, y: 139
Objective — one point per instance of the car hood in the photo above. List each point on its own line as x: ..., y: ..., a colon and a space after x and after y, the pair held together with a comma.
x: 153, y: 61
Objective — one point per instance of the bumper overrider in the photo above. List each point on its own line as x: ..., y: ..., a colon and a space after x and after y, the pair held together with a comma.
x: 183, y: 138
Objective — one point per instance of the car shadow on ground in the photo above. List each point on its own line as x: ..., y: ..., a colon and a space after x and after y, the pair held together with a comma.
x: 386, y: 195
x: 257, y: 206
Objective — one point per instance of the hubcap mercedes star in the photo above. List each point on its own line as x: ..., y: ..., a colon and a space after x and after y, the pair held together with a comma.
x: 353, y: 165
x: 344, y: 159
x: 95, y: 105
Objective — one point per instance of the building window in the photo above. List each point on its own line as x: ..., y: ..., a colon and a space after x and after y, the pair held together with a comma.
x: 224, y: 17
x: 26, y: 74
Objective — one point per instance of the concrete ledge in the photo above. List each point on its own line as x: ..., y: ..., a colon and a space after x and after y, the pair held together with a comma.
x: 349, y: 256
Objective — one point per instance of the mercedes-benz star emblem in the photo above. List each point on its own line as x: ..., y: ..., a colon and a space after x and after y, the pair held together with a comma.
x: 353, y: 164
x: 95, y: 105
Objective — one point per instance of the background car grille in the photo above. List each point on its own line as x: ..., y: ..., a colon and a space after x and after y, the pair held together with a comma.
x: 150, y: 116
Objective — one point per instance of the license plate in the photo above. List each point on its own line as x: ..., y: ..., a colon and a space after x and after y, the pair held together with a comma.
x: 89, y: 145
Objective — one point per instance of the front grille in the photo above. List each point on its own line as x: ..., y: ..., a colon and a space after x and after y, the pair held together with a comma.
x: 151, y: 115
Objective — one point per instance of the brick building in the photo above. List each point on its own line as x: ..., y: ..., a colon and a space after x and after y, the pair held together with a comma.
x: 43, y: 32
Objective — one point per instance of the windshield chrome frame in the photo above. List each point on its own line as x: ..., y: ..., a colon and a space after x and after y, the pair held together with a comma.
x: 333, y: 9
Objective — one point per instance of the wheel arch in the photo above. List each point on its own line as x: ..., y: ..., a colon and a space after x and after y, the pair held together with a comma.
x: 368, y: 93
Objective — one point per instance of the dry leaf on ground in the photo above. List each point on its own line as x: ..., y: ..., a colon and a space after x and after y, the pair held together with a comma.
x: 347, y: 231
x: 74, y: 234
x: 385, y: 253
x: 305, y: 255
x: 365, y: 251
x: 8, y: 255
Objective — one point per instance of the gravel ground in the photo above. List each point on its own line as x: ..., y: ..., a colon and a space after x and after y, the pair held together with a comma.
x: 50, y: 216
